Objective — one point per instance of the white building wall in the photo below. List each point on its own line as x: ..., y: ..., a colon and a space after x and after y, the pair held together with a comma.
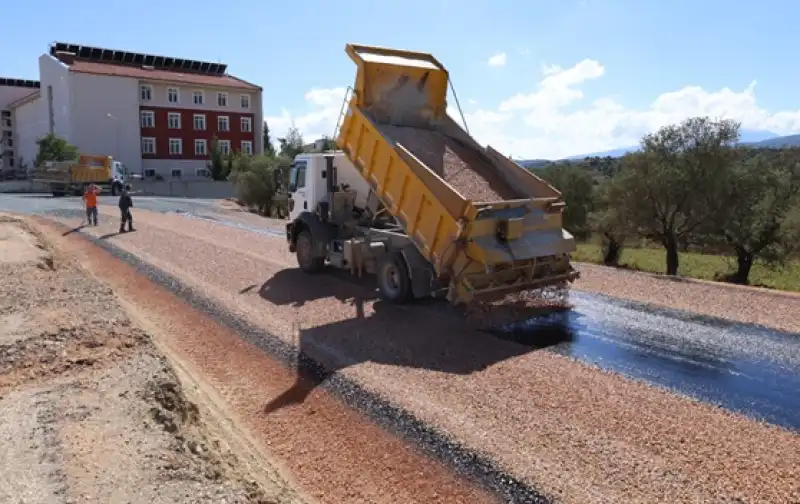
x: 105, y: 117
x: 30, y: 124
x: 258, y: 127
x: 54, y: 77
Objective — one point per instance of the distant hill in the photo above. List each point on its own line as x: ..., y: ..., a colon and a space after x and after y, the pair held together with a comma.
x: 778, y: 142
x: 533, y: 163
x: 753, y: 138
x: 609, y: 153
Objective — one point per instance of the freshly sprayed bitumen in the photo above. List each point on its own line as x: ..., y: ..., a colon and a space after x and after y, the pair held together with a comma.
x: 468, y: 464
x: 745, y: 368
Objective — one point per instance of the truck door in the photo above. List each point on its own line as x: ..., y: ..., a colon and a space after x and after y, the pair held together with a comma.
x: 298, y: 192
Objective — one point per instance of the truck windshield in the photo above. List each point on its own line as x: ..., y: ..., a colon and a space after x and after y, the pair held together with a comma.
x: 297, y: 177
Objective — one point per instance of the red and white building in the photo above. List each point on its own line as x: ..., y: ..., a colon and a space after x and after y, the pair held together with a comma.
x: 156, y: 114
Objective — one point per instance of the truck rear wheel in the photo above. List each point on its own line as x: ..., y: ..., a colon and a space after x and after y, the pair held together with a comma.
x: 394, y: 281
x: 305, y: 254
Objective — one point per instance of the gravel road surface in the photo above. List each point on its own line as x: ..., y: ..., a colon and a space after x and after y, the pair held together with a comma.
x: 90, y: 410
x: 574, y: 432
x: 332, y: 451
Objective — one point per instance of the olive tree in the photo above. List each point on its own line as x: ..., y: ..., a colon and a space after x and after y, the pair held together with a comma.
x: 754, y: 207
x: 664, y: 187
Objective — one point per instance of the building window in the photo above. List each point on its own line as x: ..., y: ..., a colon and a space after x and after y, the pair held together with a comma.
x: 176, y: 173
x: 149, y: 172
x: 148, y: 145
x: 200, y: 147
x: 198, y: 98
x: 223, y: 123
x: 146, y: 92
x: 173, y: 95
x: 224, y: 146
x: 175, y: 146
x: 148, y: 118
x: 202, y: 172
x: 222, y: 99
x: 199, y: 122
x: 174, y: 120
x: 245, y: 101
x: 247, y: 147
x: 247, y: 125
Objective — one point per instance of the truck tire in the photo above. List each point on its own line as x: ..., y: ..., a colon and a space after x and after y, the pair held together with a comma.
x: 304, y: 251
x: 394, y: 282
x: 114, y: 189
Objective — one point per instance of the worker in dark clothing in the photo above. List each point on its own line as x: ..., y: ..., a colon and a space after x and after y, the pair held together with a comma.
x: 125, y: 205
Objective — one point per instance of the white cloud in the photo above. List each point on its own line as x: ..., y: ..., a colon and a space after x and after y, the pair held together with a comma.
x: 556, y: 89
x: 555, y: 120
x: 319, y: 119
x: 498, y: 60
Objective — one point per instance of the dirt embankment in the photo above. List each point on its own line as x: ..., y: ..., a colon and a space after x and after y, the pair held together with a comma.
x: 91, y: 411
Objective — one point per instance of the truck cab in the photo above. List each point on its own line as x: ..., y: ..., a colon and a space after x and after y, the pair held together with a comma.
x: 308, y: 181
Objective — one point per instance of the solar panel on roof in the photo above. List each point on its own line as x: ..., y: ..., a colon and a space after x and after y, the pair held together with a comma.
x: 163, y: 62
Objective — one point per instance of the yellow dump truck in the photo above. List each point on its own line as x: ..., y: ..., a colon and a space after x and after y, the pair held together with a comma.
x: 413, y: 198
x: 64, y: 177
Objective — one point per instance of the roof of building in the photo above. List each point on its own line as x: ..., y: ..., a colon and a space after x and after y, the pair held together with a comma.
x: 25, y: 99
x: 100, y: 61
x: 228, y: 81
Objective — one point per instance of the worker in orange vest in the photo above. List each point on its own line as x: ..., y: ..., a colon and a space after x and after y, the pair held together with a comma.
x: 90, y: 200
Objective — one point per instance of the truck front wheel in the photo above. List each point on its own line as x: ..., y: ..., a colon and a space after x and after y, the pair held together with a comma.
x: 394, y: 281
x: 305, y: 254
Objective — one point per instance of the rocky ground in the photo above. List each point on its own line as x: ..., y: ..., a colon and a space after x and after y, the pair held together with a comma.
x: 578, y: 434
x: 90, y: 409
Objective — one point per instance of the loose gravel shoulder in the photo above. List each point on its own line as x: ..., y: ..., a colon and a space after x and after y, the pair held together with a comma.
x: 91, y: 411
x: 770, y: 309
x: 577, y: 434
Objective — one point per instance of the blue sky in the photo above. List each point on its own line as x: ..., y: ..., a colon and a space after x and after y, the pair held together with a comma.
x: 587, y: 74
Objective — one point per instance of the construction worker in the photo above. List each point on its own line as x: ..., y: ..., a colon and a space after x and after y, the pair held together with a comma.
x: 125, y: 205
x: 90, y: 200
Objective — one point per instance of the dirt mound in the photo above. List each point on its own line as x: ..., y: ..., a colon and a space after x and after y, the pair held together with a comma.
x: 17, y: 245
x: 171, y: 409
x: 64, y: 350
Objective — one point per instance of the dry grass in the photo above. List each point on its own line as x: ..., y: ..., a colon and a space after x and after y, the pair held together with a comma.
x: 693, y: 265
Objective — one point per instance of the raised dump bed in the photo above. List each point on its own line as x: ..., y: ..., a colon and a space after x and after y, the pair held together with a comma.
x: 485, y: 223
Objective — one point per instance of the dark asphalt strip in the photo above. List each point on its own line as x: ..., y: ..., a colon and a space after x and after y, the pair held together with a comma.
x: 466, y: 463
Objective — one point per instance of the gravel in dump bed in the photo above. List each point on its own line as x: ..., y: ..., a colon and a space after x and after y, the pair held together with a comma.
x: 459, y: 165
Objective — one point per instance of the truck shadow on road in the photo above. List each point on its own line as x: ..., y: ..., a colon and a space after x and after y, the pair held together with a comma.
x: 429, y: 335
